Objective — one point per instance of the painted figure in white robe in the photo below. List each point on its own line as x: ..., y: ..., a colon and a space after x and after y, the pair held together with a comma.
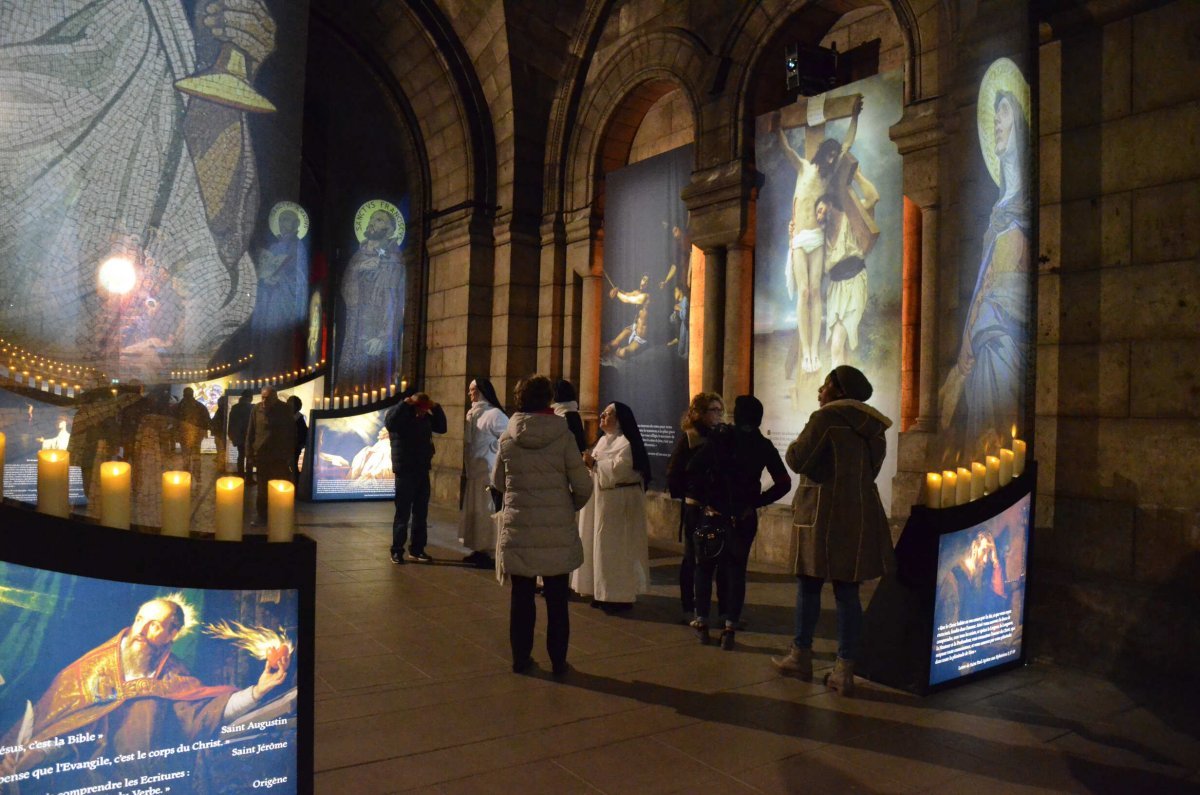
x: 612, y: 527
x: 485, y: 422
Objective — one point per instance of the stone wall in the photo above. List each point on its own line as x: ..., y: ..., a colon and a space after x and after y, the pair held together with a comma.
x: 1117, y: 555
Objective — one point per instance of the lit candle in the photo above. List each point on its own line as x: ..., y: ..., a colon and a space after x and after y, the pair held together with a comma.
x: 978, y: 476
x: 992, y: 481
x: 392, y: 391
x: 374, y: 396
x: 281, y: 510
x: 114, y: 494
x: 230, y: 494
x: 403, y: 385
x: 3, y: 445
x: 963, y: 493
x: 325, y: 403
x: 1006, y: 467
x: 364, y: 399
x: 949, y: 488
x: 1018, y: 457
x: 933, y: 490
x: 176, y: 503
x: 354, y: 400
x: 53, y: 495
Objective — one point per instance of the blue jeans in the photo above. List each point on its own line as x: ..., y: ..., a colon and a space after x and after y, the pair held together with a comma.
x: 849, y: 614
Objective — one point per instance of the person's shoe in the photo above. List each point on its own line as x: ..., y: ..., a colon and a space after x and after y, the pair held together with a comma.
x: 560, y: 669
x: 727, y: 639
x: 397, y: 558
x: 484, y: 561
x: 701, y: 631
x: 841, y: 678
x: 420, y: 557
x: 522, y: 666
x: 798, y: 662
x: 596, y: 604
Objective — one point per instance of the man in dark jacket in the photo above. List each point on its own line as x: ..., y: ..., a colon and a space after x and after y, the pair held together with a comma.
x: 239, y: 424
x: 191, y: 426
x: 730, y: 468
x: 411, y: 424
x: 271, y: 441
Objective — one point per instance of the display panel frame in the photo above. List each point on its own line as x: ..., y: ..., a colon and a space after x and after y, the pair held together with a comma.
x: 82, y: 548
x: 321, y: 417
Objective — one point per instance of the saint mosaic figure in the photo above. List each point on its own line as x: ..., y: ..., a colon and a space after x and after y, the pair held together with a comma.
x: 373, y: 296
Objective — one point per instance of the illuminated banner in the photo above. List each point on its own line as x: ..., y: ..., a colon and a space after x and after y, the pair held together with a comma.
x: 371, y: 296
x: 648, y: 276
x: 117, y: 686
x: 979, y: 619
x: 30, y: 425
x: 143, y: 146
x: 828, y: 254
x: 982, y: 398
x: 352, y: 458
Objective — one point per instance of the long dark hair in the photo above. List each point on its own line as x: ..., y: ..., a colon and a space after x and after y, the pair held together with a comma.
x: 488, y: 391
x: 629, y: 427
x: 563, y: 391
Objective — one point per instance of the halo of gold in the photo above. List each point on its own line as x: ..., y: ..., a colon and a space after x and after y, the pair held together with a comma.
x: 277, y: 210
x: 1002, y: 75
x: 363, y: 217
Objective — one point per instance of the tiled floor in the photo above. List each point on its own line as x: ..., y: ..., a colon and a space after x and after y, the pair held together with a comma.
x: 414, y: 694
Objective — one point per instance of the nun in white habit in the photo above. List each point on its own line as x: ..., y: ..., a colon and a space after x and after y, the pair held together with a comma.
x: 612, y: 526
x: 485, y: 422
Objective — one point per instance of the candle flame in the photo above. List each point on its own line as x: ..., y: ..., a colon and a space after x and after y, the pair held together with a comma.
x: 258, y: 641
x: 279, y: 485
x: 176, y: 479
x: 1014, y: 430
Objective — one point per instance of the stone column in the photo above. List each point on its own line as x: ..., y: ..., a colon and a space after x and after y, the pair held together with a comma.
x: 712, y: 373
x: 927, y: 408
x: 552, y: 307
x: 585, y: 257
x: 739, y: 314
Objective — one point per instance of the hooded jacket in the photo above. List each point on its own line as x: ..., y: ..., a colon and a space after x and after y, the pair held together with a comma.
x: 842, y: 530
x: 544, y: 482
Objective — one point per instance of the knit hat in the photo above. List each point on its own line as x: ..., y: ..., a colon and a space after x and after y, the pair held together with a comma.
x: 852, y: 382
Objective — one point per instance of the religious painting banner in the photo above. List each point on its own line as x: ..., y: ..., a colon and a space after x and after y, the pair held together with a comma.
x: 982, y: 399
x: 828, y: 254
x: 371, y: 300
x: 118, y: 686
x: 352, y: 458
x: 143, y: 147
x: 645, y: 340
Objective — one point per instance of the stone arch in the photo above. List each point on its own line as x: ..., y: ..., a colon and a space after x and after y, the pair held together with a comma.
x: 650, y: 62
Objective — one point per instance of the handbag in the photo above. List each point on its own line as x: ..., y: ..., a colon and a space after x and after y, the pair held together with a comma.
x: 711, y: 535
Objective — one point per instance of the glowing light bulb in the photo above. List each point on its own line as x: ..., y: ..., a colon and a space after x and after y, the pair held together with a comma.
x: 117, y: 275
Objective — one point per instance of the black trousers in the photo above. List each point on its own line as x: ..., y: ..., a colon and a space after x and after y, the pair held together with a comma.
x: 729, y: 568
x: 687, y: 568
x: 522, y: 617
x: 268, y: 470
x: 412, y: 502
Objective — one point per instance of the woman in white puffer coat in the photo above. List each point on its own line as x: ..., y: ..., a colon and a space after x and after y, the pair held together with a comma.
x: 544, y: 481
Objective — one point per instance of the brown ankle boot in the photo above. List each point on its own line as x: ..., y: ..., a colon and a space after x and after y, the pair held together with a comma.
x: 798, y: 662
x: 841, y: 678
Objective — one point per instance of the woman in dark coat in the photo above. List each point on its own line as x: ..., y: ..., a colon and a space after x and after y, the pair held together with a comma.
x: 843, y: 532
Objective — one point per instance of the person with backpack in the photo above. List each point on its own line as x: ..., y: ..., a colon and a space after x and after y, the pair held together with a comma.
x: 728, y: 471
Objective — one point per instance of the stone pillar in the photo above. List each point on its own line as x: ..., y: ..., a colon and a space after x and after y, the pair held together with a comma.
x: 585, y: 257
x: 739, y: 313
x: 712, y: 370
x: 552, y: 294
x: 927, y: 408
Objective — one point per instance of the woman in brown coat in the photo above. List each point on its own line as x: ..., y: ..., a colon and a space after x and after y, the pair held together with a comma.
x: 843, y: 531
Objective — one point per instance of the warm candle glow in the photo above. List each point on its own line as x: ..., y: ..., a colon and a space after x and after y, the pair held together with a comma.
x: 962, y: 494
x: 933, y: 490
x: 1006, y: 467
x: 1018, y: 455
x: 992, y: 481
x: 281, y: 510
x: 978, y: 478
x: 53, y: 492
x: 115, y: 483
x: 176, y: 503
x: 228, y: 517
x: 949, y: 488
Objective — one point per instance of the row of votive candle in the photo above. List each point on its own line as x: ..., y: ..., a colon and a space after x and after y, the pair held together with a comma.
x: 354, y: 401
x: 115, y: 498
x: 961, y: 485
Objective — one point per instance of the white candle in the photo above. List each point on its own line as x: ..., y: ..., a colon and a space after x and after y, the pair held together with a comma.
x: 392, y: 391
x: 933, y: 490
x: 993, y: 474
x: 53, y: 482
x: 403, y: 384
x: 114, y: 494
x: 962, y: 494
x: 1006, y: 467
x: 3, y: 445
x: 978, y: 477
x: 354, y: 400
x: 176, y: 503
x: 364, y: 398
x: 949, y: 488
x: 325, y: 403
x: 1018, y: 457
x: 374, y: 396
x: 228, y: 518
x: 281, y: 510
